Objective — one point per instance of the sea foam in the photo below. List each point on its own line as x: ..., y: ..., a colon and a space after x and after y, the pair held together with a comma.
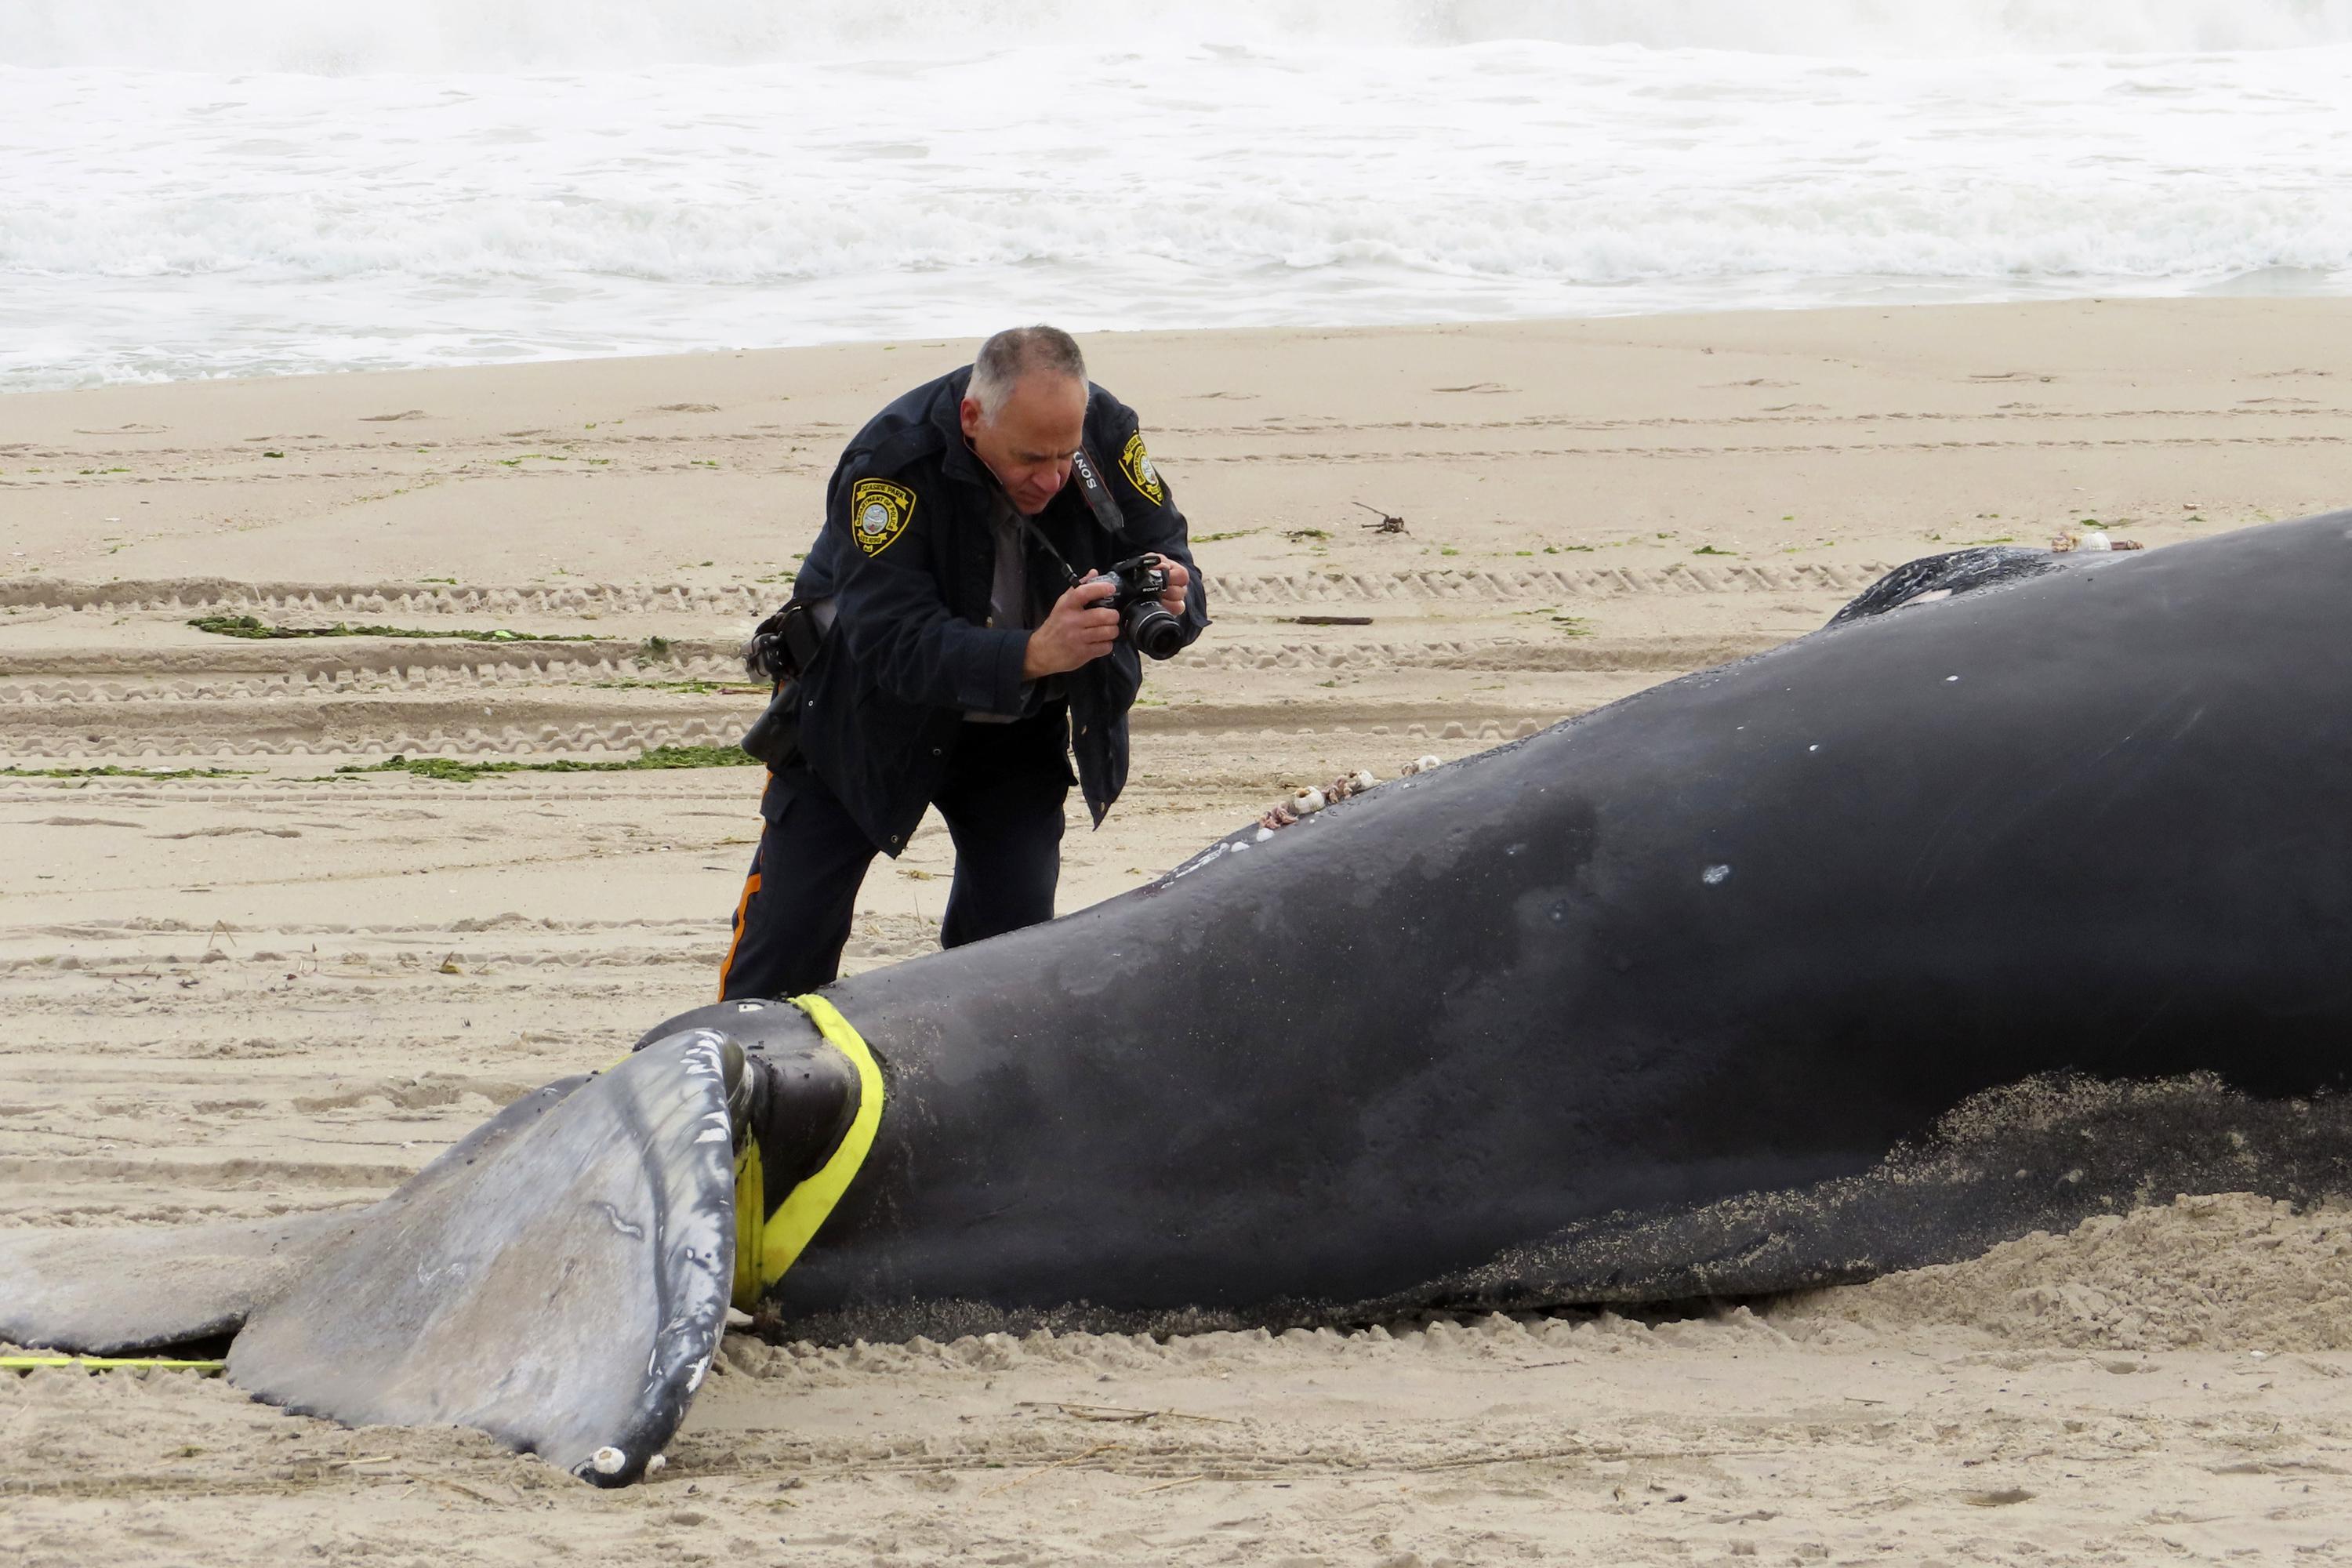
x: 527, y: 34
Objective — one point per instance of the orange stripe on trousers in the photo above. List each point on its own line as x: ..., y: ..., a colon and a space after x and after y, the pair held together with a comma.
x: 742, y: 908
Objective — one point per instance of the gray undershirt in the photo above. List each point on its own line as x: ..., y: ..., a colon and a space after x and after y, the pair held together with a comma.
x: 1008, y: 593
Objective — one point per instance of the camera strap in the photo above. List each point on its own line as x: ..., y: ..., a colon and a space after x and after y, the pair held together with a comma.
x: 1099, y: 496
x: 1038, y: 534
x: 1100, y: 501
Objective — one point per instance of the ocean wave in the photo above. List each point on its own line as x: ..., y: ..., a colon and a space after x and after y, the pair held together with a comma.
x: 1931, y: 233
x: 1503, y: 161
x: 301, y: 36
x: 184, y: 223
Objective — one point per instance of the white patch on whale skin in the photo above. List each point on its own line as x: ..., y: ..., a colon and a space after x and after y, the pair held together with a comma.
x: 1929, y: 597
x: 701, y: 1060
x: 1714, y: 875
x: 1949, y: 679
x: 634, y: 1231
x: 1195, y: 864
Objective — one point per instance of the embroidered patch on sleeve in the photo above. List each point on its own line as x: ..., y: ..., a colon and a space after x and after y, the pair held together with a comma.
x: 1136, y: 464
x: 879, y: 510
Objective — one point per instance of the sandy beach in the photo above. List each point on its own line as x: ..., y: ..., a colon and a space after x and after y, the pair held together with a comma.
x: 269, y: 985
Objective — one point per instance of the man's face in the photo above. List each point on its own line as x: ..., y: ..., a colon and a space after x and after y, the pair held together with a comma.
x: 1029, y: 444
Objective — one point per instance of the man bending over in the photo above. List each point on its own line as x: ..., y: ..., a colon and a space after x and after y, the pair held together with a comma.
x: 971, y: 653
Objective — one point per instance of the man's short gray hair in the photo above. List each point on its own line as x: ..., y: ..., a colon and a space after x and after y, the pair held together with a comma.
x: 1019, y: 351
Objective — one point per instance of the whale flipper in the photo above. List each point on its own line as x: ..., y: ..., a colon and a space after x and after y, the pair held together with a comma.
x: 119, y: 1289
x: 116, y: 1290
x: 559, y: 1278
x: 563, y: 1289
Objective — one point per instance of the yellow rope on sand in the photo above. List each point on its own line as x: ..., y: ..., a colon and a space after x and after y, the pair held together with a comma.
x: 108, y: 1363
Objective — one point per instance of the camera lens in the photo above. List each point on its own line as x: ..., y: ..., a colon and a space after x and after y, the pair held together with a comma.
x: 1153, y: 630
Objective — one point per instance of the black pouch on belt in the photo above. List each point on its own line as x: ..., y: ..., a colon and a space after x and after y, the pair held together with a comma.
x: 780, y: 648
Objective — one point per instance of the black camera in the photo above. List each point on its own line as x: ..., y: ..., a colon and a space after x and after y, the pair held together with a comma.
x: 1143, y: 619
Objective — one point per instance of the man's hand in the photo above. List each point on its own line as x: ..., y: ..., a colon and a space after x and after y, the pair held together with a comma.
x: 1077, y: 631
x: 1171, y: 598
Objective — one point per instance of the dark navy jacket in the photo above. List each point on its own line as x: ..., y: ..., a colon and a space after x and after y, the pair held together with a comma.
x: 908, y: 558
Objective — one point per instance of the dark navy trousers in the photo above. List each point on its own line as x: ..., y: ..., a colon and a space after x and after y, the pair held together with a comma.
x: 1002, y: 798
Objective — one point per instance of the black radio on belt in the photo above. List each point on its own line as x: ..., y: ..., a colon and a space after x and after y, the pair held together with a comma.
x: 784, y: 644
x: 780, y: 648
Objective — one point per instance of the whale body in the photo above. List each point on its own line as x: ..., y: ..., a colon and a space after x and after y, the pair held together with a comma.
x: 2021, y: 892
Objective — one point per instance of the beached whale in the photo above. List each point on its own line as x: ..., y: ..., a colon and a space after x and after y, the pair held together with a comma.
x: 2022, y: 893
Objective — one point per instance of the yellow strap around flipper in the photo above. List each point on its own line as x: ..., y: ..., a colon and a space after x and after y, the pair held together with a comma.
x: 751, y: 1252
x: 763, y: 1251
x: 107, y: 1363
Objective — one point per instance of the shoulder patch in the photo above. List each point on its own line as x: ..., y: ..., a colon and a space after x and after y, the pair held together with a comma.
x: 879, y: 510
x: 1136, y: 464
